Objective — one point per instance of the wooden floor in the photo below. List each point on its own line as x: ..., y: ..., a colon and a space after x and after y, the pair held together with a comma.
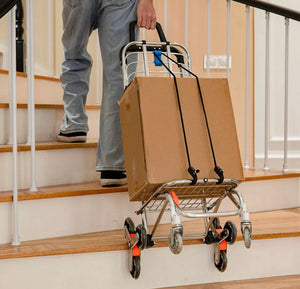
x: 284, y: 282
x: 92, y: 188
x: 273, y: 224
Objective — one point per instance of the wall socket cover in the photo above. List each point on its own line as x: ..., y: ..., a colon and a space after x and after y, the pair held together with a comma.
x: 217, y: 61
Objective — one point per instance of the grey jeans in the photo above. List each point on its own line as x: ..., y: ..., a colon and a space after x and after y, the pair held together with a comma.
x: 80, y: 18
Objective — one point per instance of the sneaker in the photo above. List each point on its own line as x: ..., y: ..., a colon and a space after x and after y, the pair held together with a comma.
x: 113, y: 178
x: 79, y: 136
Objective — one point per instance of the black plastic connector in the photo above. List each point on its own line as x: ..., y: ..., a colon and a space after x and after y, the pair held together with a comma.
x: 150, y: 242
x: 193, y: 172
x: 209, y: 238
x: 220, y: 174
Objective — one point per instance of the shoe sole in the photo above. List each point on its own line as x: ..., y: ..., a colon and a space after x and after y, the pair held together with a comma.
x: 69, y: 139
x: 113, y: 182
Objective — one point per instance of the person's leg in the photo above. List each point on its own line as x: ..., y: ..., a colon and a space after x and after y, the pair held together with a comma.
x: 78, y: 21
x: 113, y: 34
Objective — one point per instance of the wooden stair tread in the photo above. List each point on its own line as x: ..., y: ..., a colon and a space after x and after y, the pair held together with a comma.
x: 282, y: 282
x: 272, y: 224
x: 24, y: 75
x: 92, y: 188
x: 50, y: 146
x: 81, y: 189
x: 47, y: 106
x: 257, y: 174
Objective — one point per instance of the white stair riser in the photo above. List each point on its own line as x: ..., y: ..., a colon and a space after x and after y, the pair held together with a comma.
x: 56, y: 217
x: 159, y: 267
x: 48, y: 218
x: 53, y: 167
x: 48, y: 122
x: 45, y: 90
x: 271, y: 194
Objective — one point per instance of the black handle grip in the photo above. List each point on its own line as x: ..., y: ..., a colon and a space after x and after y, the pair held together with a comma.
x: 159, y: 30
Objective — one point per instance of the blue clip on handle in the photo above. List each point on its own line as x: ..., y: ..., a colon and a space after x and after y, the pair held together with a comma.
x: 157, y: 53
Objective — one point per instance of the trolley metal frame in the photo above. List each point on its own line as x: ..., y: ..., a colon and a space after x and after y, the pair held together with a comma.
x: 181, y: 198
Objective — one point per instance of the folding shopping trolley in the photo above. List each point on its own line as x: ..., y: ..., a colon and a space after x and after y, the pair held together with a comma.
x: 195, y: 198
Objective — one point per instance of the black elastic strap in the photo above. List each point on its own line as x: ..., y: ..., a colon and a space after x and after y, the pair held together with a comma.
x: 193, y: 172
x: 217, y: 169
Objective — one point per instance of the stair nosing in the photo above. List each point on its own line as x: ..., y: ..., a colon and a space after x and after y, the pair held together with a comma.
x: 24, y: 75
x: 27, y: 195
x: 91, y: 143
x: 260, y: 174
x: 117, y: 237
x: 47, y: 106
x: 257, y: 282
x: 64, y: 190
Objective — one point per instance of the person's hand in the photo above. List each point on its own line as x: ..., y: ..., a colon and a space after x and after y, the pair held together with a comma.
x: 146, y: 14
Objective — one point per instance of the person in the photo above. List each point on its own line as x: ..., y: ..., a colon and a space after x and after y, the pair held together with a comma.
x: 111, y: 18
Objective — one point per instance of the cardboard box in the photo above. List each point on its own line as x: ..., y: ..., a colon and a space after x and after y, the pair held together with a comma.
x: 153, y: 139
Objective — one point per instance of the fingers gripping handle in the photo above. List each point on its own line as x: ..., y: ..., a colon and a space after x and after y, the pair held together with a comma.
x: 159, y: 30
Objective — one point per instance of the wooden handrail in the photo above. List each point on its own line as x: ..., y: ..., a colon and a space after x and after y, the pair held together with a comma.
x: 276, y: 9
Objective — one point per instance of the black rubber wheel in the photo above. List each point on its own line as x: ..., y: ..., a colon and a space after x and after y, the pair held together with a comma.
x: 216, y: 223
x: 230, y: 226
x: 136, y: 267
x: 223, y: 262
x: 130, y: 225
x: 142, y: 243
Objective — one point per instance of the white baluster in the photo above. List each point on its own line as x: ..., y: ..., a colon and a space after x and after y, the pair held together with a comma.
x: 267, y: 93
x: 208, y: 39
x: 186, y: 22
x: 30, y: 92
x: 166, y: 18
x: 13, y: 124
x: 50, y: 37
x: 228, y: 38
x: 286, y: 95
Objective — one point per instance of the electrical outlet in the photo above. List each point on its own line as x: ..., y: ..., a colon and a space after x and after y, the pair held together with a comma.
x: 213, y: 61
x: 222, y: 61
x: 216, y: 62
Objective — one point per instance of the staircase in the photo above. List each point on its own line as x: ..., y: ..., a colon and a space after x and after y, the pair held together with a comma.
x: 71, y: 230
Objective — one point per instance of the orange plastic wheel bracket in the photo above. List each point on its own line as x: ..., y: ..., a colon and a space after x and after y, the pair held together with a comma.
x: 175, y: 198
x: 135, y: 250
x: 223, y: 244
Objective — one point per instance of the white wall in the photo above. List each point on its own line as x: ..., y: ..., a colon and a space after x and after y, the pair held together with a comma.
x: 277, y: 68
